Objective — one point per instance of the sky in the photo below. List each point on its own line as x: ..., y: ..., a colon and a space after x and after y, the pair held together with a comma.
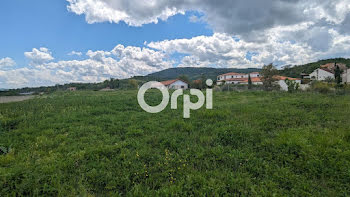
x: 62, y: 41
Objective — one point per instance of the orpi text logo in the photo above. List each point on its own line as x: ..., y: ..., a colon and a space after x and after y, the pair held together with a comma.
x: 188, y: 105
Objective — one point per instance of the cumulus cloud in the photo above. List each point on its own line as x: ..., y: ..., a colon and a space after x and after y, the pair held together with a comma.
x: 222, y: 50
x: 39, y: 56
x: 225, y: 16
x: 7, y: 62
x: 121, y: 62
x: 135, y: 13
x: 308, y: 26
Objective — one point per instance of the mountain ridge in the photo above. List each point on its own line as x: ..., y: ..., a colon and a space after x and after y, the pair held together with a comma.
x: 194, y: 73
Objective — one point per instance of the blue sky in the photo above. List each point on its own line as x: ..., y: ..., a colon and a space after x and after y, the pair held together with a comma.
x: 124, y: 38
x: 43, y: 23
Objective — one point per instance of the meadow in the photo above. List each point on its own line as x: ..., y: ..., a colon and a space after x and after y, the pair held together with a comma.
x: 103, y: 144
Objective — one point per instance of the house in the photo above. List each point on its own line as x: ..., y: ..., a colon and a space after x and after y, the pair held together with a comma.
x: 281, y: 81
x: 238, y: 78
x: 321, y: 74
x: 72, y: 89
x: 175, y: 84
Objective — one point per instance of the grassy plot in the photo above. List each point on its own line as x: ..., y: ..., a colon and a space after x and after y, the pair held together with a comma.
x: 103, y: 143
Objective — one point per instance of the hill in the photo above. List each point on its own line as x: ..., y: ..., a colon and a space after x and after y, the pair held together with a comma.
x: 197, y: 73
x: 295, y: 71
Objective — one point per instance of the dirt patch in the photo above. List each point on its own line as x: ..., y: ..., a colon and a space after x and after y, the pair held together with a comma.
x: 9, y: 99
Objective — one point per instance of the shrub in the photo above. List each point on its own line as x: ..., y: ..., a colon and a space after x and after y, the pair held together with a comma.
x: 321, y: 87
x: 292, y: 85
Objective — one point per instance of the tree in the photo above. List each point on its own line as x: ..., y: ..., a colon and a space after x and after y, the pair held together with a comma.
x: 133, y: 83
x: 204, y: 80
x: 197, y: 84
x: 249, y: 82
x: 292, y: 85
x: 337, y: 74
x: 268, y: 73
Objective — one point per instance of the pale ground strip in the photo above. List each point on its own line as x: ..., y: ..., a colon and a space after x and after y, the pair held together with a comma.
x: 9, y: 99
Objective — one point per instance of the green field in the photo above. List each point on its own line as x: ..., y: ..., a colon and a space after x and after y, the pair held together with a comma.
x: 103, y: 143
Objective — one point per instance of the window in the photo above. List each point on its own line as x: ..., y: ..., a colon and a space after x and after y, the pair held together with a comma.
x: 182, y: 87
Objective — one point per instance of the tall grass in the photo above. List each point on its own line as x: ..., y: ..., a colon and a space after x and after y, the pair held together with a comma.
x: 102, y: 143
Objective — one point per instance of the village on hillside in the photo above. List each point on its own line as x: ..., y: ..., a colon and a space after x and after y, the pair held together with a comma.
x: 325, y: 73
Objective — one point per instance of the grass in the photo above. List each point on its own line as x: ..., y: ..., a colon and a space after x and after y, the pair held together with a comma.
x: 103, y: 143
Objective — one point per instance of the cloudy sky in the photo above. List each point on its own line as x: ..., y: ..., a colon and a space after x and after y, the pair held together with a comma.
x: 60, y: 41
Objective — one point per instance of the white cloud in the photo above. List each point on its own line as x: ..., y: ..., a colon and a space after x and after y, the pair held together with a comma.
x: 222, y: 50
x: 75, y: 53
x: 121, y: 62
x: 279, y: 31
x: 39, y: 56
x: 135, y: 13
x: 7, y: 62
x: 237, y: 17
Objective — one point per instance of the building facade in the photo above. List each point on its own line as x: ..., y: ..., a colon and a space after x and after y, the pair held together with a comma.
x: 239, y: 78
x: 175, y: 84
x: 322, y: 74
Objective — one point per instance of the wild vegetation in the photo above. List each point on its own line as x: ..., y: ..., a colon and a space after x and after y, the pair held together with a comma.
x: 103, y: 144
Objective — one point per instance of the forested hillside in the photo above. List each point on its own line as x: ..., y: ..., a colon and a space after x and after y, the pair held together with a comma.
x: 197, y: 73
x: 295, y: 71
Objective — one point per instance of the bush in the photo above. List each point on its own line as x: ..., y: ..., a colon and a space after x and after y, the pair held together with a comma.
x: 322, y: 87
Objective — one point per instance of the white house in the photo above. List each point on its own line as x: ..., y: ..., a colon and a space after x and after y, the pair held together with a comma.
x: 346, y: 76
x: 239, y: 78
x: 281, y: 80
x: 322, y: 74
x: 175, y: 84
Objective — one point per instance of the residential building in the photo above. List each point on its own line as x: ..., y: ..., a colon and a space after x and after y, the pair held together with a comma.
x: 175, y: 84
x: 238, y: 78
x: 321, y: 74
x: 281, y: 80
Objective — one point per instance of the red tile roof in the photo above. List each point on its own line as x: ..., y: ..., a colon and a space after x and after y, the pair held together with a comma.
x: 169, y: 82
x: 255, y: 79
